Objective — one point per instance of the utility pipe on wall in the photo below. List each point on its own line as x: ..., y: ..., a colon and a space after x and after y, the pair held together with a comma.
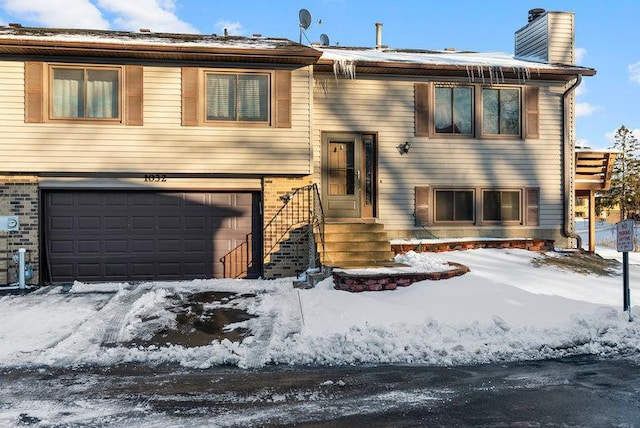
x: 21, y: 277
x: 567, y: 162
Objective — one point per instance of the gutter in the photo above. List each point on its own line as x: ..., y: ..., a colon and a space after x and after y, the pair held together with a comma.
x: 566, y: 167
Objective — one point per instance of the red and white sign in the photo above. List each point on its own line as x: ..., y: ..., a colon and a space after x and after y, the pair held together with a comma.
x: 625, y: 235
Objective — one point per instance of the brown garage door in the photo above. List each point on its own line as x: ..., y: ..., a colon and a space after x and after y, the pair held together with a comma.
x: 136, y: 235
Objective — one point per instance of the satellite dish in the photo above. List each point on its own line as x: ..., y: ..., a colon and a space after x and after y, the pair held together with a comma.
x: 305, y: 18
x: 324, y: 39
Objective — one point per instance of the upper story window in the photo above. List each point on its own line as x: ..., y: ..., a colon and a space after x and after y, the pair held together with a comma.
x: 476, y: 110
x: 501, y: 111
x: 110, y: 95
x: 237, y: 97
x: 453, y: 110
x: 229, y: 97
x: 85, y: 93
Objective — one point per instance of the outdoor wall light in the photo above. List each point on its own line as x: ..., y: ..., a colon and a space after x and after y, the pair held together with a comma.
x: 403, y: 148
x: 285, y: 198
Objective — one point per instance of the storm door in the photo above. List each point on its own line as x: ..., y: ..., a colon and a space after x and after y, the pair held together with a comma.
x: 349, y: 175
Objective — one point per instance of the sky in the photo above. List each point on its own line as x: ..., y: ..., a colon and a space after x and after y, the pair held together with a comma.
x: 606, y: 33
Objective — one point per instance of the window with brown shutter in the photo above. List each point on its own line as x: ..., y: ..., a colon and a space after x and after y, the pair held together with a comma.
x: 421, y: 103
x: 90, y: 93
x: 423, y: 203
x: 190, y: 96
x: 532, y: 113
x: 283, y: 99
x: 33, y: 93
x: 134, y: 95
x: 532, y: 197
x: 229, y: 97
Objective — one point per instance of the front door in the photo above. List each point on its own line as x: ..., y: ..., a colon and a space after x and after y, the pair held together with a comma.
x: 349, y: 175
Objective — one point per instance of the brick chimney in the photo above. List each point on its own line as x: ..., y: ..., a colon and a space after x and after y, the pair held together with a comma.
x: 548, y: 36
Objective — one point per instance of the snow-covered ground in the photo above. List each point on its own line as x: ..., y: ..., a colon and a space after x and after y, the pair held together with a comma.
x: 506, y: 308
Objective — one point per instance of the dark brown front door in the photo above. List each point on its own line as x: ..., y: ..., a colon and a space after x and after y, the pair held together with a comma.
x: 94, y: 235
x: 349, y: 175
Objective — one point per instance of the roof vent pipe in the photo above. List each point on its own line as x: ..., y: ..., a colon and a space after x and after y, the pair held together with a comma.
x: 534, y: 13
x: 378, y: 35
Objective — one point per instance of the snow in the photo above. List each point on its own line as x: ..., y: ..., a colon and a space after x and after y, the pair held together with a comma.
x: 463, y: 59
x: 505, y: 309
x: 142, y: 39
x: 485, y: 66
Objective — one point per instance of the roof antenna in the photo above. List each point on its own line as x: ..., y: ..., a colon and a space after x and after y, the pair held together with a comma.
x: 305, y: 21
x: 324, y: 40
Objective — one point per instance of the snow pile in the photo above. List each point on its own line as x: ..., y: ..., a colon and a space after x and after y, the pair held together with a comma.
x: 504, y: 309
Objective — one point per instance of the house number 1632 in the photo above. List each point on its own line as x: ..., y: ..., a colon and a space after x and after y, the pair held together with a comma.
x: 155, y: 178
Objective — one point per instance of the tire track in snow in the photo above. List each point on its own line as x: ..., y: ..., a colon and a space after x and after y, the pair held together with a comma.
x: 115, y: 319
x: 273, y: 326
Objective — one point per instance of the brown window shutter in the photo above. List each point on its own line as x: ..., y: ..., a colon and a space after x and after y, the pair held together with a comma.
x: 532, y: 115
x: 423, y: 205
x: 283, y: 99
x: 532, y: 209
x: 421, y: 103
x: 33, y: 92
x: 189, y: 96
x: 134, y: 95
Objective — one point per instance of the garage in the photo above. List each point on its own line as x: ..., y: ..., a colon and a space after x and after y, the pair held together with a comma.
x: 126, y: 235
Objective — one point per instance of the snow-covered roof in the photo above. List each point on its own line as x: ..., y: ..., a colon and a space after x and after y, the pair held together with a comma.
x: 141, y: 39
x: 147, y: 44
x: 490, y: 65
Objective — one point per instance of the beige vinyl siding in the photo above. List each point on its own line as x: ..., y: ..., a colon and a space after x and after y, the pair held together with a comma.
x: 561, y: 45
x: 160, y: 145
x: 11, y: 93
x: 386, y: 107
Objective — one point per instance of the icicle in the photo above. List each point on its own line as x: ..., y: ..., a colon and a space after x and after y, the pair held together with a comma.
x: 346, y: 67
x: 501, y: 73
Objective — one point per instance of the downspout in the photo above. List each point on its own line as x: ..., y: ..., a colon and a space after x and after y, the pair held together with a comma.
x: 567, y: 161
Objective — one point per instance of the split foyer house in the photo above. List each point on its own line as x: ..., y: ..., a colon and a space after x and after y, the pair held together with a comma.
x: 137, y: 156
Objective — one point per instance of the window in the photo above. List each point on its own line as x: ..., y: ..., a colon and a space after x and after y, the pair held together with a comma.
x: 101, y: 94
x: 501, y: 111
x: 237, y: 97
x: 475, y: 110
x: 454, y: 205
x: 501, y: 205
x: 85, y: 93
x: 510, y: 207
x: 453, y: 110
x: 229, y: 97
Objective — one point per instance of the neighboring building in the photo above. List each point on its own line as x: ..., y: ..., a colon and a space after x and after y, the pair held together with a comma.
x: 582, y: 207
x: 135, y: 156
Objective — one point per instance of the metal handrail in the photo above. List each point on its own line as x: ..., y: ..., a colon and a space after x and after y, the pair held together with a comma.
x: 237, y: 262
x: 301, y: 207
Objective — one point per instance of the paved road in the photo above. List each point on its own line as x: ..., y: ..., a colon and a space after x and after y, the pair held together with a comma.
x: 581, y: 391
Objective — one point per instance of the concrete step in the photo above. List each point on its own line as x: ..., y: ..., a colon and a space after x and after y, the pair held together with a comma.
x: 363, y: 245
x: 353, y: 227
x: 354, y: 236
x: 333, y: 257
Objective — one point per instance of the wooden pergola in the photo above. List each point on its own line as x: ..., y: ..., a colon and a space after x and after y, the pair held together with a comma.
x: 593, y: 173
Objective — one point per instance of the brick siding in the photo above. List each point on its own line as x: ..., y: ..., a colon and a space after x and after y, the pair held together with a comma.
x: 19, y: 197
x: 291, y: 255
